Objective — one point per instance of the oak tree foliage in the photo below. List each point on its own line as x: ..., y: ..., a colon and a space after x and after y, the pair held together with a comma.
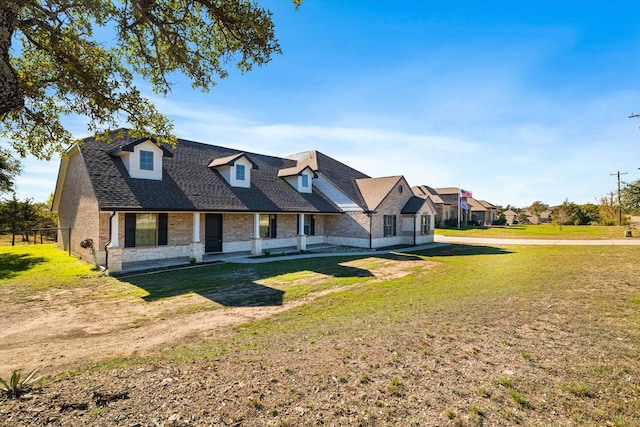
x: 61, y: 58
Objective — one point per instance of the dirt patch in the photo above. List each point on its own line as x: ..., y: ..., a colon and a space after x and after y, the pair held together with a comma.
x: 61, y: 328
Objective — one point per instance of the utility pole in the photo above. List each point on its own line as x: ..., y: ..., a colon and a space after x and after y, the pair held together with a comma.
x: 619, y: 205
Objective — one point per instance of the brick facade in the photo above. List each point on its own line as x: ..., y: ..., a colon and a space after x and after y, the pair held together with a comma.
x: 81, y: 213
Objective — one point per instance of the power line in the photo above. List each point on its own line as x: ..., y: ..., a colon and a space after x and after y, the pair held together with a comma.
x: 619, y: 205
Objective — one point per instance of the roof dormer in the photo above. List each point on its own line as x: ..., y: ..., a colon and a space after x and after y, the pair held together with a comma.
x: 235, y: 169
x: 299, y: 177
x: 143, y: 158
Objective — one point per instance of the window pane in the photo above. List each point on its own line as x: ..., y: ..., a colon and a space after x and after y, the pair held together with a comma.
x: 309, y: 226
x: 146, y: 160
x: 240, y: 172
x: 305, y: 180
x: 145, y: 229
x: 264, y: 226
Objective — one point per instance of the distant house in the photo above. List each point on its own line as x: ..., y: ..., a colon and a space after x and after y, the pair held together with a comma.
x: 482, y: 212
x: 449, y: 204
x: 139, y: 201
x: 545, y: 216
x: 510, y: 216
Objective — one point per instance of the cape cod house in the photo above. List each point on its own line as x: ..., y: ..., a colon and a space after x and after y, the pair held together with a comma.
x: 139, y: 201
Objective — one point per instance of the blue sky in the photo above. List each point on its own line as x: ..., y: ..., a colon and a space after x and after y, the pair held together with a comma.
x: 516, y: 101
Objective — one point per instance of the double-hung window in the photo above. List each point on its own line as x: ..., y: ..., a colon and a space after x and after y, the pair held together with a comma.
x: 268, y: 226
x: 146, y: 160
x: 309, y: 225
x: 425, y: 220
x: 389, y: 225
x: 145, y: 229
x: 240, y: 172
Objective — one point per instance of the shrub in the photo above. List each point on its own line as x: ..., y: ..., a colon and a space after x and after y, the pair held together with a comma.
x: 17, y: 385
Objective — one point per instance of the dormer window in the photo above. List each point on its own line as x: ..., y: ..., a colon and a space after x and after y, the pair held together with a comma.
x: 146, y: 160
x: 143, y: 158
x: 235, y: 169
x: 299, y: 177
x: 240, y: 172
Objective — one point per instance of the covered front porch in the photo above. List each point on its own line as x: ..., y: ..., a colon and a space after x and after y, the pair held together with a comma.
x: 159, y: 264
x: 188, y: 238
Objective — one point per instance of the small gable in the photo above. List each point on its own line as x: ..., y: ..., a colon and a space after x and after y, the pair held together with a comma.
x: 235, y: 169
x: 299, y: 177
x: 143, y: 158
x: 375, y: 190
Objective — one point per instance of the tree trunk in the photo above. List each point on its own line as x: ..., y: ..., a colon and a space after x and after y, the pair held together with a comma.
x: 11, y: 97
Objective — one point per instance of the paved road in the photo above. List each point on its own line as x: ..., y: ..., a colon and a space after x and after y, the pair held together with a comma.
x: 542, y: 242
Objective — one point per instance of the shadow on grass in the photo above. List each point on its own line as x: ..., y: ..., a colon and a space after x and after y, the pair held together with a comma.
x: 464, y: 250
x: 12, y: 264
x: 237, y: 285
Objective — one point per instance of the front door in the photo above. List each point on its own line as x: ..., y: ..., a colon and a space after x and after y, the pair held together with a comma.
x: 213, y: 233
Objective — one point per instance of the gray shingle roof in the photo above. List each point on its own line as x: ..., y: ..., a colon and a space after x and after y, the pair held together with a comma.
x: 342, y: 176
x: 413, y: 205
x: 188, y: 184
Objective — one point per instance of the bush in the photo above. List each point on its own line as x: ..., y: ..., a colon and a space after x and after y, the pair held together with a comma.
x: 16, y: 385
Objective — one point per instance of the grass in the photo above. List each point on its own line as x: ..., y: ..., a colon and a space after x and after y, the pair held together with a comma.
x: 40, y: 267
x: 481, y: 296
x: 455, y: 336
x: 543, y: 231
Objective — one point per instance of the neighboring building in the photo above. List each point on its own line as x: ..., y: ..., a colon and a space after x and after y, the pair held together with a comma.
x: 483, y: 213
x: 445, y: 210
x: 139, y: 201
x: 510, y: 216
x: 451, y: 201
x: 545, y: 216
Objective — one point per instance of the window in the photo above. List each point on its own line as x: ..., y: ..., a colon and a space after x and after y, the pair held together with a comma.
x: 145, y: 229
x: 268, y: 225
x: 425, y: 220
x: 389, y: 225
x: 309, y: 225
x: 146, y: 160
x: 305, y: 180
x: 240, y: 172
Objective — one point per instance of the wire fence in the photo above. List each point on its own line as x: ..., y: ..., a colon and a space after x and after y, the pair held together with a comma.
x: 36, y: 236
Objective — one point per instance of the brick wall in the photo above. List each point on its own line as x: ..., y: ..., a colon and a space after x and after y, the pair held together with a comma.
x: 348, y: 224
x: 391, y: 205
x: 180, y: 229
x: 78, y: 208
x: 236, y: 228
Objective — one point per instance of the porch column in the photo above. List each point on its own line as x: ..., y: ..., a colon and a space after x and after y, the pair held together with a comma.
x: 196, y: 248
x: 256, y: 241
x: 196, y: 227
x: 114, y: 231
x: 115, y: 260
x: 302, y: 238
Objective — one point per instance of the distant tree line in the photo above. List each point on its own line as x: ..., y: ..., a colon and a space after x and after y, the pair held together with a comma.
x: 18, y: 217
x: 567, y: 213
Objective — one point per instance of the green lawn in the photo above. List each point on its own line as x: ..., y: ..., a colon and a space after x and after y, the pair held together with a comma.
x: 33, y: 268
x: 543, y: 231
x: 460, y: 335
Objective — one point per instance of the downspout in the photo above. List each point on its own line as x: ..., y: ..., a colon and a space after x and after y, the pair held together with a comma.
x: 370, y: 230
x: 106, y: 245
x: 415, y: 219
